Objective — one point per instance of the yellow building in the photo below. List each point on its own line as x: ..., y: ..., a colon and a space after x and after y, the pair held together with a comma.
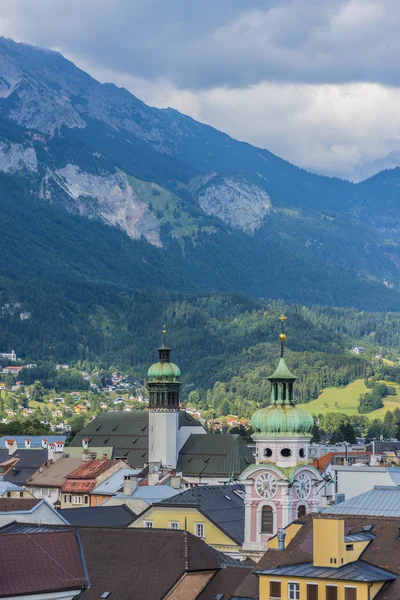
x: 213, y: 513
x: 332, y: 558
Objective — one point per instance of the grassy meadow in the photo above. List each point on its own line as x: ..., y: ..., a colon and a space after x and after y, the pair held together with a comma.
x: 345, y: 400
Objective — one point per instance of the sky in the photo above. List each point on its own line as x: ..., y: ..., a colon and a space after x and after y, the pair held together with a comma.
x: 314, y: 81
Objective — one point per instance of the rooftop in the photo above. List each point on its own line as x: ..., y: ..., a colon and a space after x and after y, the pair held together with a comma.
x: 54, y: 474
x: 355, y: 571
x: 114, y: 483
x: 35, y: 440
x: 222, y: 504
x: 99, y: 516
x: 381, y: 501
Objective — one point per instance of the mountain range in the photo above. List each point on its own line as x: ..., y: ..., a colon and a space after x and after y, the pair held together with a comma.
x: 99, y: 191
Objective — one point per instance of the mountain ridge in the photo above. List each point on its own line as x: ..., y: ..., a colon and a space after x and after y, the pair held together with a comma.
x: 225, y: 216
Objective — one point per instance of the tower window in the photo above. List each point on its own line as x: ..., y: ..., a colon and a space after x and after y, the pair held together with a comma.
x: 267, y: 520
x: 283, y: 391
x: 286, y: 452
x: 302, y: 453
x: 268, y: 452
x: 301, y: 511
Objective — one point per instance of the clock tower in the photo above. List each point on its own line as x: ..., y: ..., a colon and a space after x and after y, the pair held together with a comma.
x: 282, y: 486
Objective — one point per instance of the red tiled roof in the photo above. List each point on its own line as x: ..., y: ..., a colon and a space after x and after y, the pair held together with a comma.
x: 92, y: 469
x: 14, y: 504
x: 40, y: 562
x: 73, y: 486
x: 322, y: 462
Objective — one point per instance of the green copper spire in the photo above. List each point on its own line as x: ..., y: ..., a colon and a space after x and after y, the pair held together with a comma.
x: 282, y: 417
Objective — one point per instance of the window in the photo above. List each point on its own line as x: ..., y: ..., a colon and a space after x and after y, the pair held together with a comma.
x: 67, y: 498
x: 199, y: 529
x: 312, y: 591
x: 286, y: 452
x: 76, y: 499
x: 173, y: 525
x: 331, y: 592
x: 275, y: 589
x: 294, y: 591
x: 267, y: 519
x: 86, y: 499
x: 8, y: 494
x: 48, y: 492
x: 267, y: 452
x: 350, y: 593
x: 96, y: 500
x: 349, y: 547
x: 301, y: 511
x: 148, y: 524
x: 21, y: 494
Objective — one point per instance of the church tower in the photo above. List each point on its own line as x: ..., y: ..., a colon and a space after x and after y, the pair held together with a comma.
x: 164, y: 386
x: 282, y: 485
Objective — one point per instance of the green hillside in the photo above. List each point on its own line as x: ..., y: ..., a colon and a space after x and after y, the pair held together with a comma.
x: 345, y: 400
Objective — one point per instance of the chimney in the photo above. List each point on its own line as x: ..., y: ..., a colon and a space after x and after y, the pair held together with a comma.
x: 28, y: 444
x: 85, y: 443
x: 130, y: 484
x: 44, y: 443
x: 281, y: 533
x: 12, y: 446
x: 176, y: 482
x: 51, y: 448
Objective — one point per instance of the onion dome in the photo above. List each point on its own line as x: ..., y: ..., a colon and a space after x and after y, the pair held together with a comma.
x: 282, y: 420
x: 282, y: 417
x: 164, y: 370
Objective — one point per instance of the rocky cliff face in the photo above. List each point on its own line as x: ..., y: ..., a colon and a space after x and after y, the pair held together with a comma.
x: 236, y: 201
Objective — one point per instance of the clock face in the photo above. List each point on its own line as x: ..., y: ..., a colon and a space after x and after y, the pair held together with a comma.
x: 266, y: 485
x: 303, y: 486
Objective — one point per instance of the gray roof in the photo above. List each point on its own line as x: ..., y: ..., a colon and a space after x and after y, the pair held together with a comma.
x: 16, y: 527
x: 355, y: 571
x: 150, y: 493
x: 99, y: 516
x: 222, y: 504
x: 7, y: 486
x: 114, y: 483
x: 210, y: 455
x: 126, y: 432
x: 383, y: 501
x: 28, y: 462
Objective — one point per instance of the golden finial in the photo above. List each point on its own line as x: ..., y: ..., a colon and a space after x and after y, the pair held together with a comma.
x: 165, y: 328
x: 164, y: 334
x: 282, y: 335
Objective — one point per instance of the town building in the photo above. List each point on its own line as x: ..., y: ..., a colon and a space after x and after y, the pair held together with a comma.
x: 9, y: 355
x: 139, y: 497
x: 358, y: 350
x: 11, y: 370
x: 16, y: 466
x: 28, y: 510
x: 49, y: 479
x: 215, y: 513
x: 353, y: 480
x: 282, y: 486
x: 79, y: 483
x: 111, y: 486
x: 329, y: 557
x: 10, y: 490
x: 165, y: 435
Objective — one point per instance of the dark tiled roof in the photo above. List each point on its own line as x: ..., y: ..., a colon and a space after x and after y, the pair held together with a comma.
x: 224, y: 582
x: 381, y: 552
x: 214, y: 455
x: 29, y: 461
x: 99, y: 516
x: 40, y: 562
x: 16, y: 504
x: 16, y: 527
x: 127, y: 433
x: 222, y: 504
x: 127, y: 562
x: 355, y: 571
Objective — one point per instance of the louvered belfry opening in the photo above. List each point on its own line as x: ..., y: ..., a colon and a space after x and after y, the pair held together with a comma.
x: 267, y: 520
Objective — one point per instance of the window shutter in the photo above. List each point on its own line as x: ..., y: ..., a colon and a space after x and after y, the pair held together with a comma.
x: 312, y: 591
x: 267, y: 520
x: 275, y: 589
x: 350, y: 593
x: 331, y: 592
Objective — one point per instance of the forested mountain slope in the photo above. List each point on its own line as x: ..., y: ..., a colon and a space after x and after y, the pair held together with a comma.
x: 98, y: 188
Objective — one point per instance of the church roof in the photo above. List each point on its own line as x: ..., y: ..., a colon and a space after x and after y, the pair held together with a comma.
x: 209, y: 455
x: 282, y: 371
x: 127, y: 433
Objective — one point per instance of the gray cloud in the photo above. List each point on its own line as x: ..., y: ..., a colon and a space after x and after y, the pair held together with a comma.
x: 315, y: 81
x: 198, y: 45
